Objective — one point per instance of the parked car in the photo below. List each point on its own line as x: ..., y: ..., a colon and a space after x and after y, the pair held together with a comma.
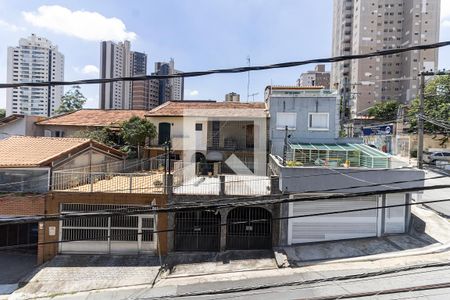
x: 432, y: 157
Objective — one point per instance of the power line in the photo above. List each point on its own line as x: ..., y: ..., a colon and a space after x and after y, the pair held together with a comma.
x: 229, y: 70
x: 106, y: 237
x: 372, y: 184
x: 307, y: 282
x: 234, y: 204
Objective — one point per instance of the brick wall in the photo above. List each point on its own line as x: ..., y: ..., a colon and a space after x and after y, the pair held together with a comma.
x: 26, y: 205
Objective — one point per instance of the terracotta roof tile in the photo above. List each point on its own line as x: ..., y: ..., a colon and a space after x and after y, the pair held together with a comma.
x: 209, y: 109
x: 26, y: 151
x: 93, y: 117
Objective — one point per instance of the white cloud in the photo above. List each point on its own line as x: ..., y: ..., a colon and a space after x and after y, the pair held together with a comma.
x: 10, y: 27
x: 90, y: 70
x: 193, y: 93
x: 445, y: 23
x: 85, y: 25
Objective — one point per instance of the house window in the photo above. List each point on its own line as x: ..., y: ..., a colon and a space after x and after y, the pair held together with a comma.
x: 318, y: 121
x: 198, y: 126
x: 288, y: 119
x: 58, y: 133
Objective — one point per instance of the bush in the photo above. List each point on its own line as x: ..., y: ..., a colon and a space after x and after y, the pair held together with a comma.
x: 291, y: 163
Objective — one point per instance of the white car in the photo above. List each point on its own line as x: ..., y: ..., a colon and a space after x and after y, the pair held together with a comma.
x: 432, y: 157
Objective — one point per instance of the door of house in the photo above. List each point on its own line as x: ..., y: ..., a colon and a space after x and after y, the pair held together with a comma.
x: 163, y: 133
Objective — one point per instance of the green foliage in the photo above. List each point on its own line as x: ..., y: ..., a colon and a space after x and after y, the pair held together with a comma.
x: 104, y: 135
x: 2, y: 113
x: 385, y: 111
x: 135, y: 131
x: 73, y: 100
x: 291, y: 163
x: 436, y: 105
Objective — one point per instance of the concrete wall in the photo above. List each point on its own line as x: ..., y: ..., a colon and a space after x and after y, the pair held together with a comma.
x: 316, y: 179
x: 302, y: 106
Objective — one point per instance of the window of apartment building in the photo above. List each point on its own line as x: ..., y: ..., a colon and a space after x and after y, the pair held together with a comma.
x: 198, y: 126
x: 318, y: 121
x: 288, y: 119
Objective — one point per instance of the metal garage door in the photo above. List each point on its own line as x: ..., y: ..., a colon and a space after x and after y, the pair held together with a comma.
x: 332, y: 227
x: 249, y: 228
x: 125, y: 234
x: 197, y: 231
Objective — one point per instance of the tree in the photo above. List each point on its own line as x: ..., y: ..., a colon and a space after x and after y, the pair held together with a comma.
x: 436, y: 106
x: 136, y: 130
x: 103, y: 135
x: 73, y: 100
x: 384, y: 111
x: 2, y: 113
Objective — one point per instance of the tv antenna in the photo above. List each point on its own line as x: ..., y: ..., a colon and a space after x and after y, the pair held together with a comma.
x: 248, y: 78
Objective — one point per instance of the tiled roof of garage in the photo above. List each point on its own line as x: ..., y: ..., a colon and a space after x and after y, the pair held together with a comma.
x: 209, y: 109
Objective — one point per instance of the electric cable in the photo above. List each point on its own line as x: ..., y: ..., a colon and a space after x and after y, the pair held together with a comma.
x: 229, y: 70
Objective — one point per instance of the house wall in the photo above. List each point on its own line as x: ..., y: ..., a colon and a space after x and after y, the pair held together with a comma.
x: 56, y: 198
x: 69, y: 131
x: 302, y: 106
x: 23, y: 127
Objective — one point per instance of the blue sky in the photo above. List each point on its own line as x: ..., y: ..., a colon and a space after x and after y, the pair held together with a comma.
x: 198, y: 34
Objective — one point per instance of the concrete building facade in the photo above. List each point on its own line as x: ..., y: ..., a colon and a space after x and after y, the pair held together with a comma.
x: 145, y: 94
x: 169, y: 89
x: 362, y: 27
x: 317, y: 77
x: 117, y: 60
x: 36, y: 59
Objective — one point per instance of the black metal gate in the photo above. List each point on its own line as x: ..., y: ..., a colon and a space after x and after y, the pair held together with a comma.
x: 197, y: 231
x: 249, y: 228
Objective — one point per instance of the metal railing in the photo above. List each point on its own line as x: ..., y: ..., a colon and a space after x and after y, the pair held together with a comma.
x: 146, y: 182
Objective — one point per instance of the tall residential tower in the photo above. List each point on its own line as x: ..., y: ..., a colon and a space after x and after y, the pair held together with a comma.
x: 368, y: 26
x: 34, y: 60
x: 117, y: 60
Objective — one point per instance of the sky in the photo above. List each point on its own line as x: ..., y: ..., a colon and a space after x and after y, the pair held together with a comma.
x: 199, y: 35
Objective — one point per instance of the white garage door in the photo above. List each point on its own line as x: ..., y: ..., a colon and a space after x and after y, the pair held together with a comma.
x: 332, y: 227
x: 124, y: 234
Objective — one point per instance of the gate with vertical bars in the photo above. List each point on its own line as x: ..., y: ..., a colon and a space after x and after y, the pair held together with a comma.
x: 197, y: 231
x: 113, y: 234
x: 249, y: 228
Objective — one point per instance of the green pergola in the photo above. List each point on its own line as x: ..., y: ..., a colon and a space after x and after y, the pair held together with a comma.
x: 336, y: 155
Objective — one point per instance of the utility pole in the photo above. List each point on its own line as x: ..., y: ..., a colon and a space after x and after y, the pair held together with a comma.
x: 420, y: 122
x: 285, y: 145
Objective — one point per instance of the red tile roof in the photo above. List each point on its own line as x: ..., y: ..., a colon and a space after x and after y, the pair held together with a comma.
x: 209, y: 109
x: 26, y: 151
x: 93, y: 118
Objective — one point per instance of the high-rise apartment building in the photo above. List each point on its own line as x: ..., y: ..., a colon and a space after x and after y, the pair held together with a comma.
x: 368, y: 26
x: 172, y: 88
x: 318, y: 77
x: 117, y: 60
x: 34, y: 60
x: 145, y: 94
